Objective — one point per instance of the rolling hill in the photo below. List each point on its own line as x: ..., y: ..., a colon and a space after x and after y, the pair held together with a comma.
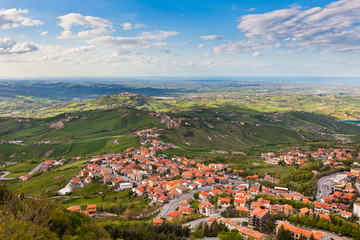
x: 225, y: 127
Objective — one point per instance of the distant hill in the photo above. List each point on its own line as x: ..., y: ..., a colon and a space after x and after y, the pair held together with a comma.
x: 224, y: 127
x: 81, y: 133
x: 234, y: 128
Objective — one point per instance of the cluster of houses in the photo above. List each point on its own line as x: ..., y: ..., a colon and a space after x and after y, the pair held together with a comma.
x: 48, y: 164
x: 170, y: 122
x: 124, y: 170
x: 328, y: 156
x: 147, y: 133
x: 161, y: 179
x: 90, y: 209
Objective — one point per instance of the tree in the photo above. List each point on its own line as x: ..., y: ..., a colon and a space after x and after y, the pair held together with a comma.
x: 283, y: 234
x: 196, y: 195
x: 230, y: 236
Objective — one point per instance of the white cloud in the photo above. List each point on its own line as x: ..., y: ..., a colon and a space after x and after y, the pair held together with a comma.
x: 43, y: 33
x: 201, y: 45
x: 290, y: 52
x: 129, y: 26
x: 80, y: 49
x: 244, y: 46
x: 9, y: 46
x: 211, y: 37
x: 12, y: 18
x: 145, y: 40
x: 257, y: 54
x: 331, y: 28
x: 94, y: 25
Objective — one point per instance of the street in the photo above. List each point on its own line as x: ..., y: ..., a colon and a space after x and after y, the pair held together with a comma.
x: 173, y: 204
x: 325, y: 185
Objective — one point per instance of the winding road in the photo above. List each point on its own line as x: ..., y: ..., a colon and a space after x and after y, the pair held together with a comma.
x: 3, y: 177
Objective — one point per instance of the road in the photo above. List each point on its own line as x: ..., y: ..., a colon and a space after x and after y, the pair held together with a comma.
x: 325, y: 185
x: 2, y: 177
x: 36, y: 168
x: 173, y: 204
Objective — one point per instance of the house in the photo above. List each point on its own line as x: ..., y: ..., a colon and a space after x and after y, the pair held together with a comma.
x: 259, y: 217
x: 323, y: 208
x: 91, y: 208
x: 215, y: 192
x: 288, y: 209
x: 256, y: 205
x: 349, y: 189
x: 248, y: 233
x: 157, y: 221
x: 346, y: 214
x: 162, y: 199
x: 276, y: 208
x: 224, y: 202
x: 74, y: 208
x: 266, y: 203
x: 325, y: 216
x: 207, y: 208
x: 140, y: 191
x: 288, y: 196
x: 222, y: 180
x: 349, y: 196
x: 239, y: 202
x: 242, y: 211
x: 356, y: 209
x: 75, y: 183
x: 306, y: 210
x: 173, y: 215
x: 300, y: 233
x: 204, y: 195
x: 185, y: 210
x: 25, y: 177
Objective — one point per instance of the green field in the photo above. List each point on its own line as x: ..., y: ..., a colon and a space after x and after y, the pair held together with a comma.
x: 48, y: 183
x: 19, y: 169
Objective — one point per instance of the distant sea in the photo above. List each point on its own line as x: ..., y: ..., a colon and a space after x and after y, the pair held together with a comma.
x: 319, y: 80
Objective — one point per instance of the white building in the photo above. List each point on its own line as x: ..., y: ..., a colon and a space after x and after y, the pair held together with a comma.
x: 356, y: 209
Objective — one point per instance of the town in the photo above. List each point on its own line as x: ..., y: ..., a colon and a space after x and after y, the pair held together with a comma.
x: 218, y: 193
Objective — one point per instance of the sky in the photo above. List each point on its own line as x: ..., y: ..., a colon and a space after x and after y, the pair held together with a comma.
x: 120, y: 38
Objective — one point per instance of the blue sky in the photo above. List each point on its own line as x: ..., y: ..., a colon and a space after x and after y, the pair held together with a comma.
x: 179, y: 38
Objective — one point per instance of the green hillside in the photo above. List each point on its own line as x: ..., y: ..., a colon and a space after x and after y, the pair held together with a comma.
x: 222, y: 127
x: 91, y: 132
x: 233, y: 128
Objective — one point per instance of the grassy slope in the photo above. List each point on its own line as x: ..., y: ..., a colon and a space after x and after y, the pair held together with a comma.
x: 214, y: 129
x: 94, y: 132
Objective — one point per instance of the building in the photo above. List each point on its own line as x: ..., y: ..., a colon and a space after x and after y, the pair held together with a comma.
x: 173, y: 215
x: 249, y: 233
x: 356, y: 209
x: 124, y: 186
x: 300, y: 232
x: 245, y: 232
x: 259, y: 217
x: 207, y: 208
x: 222, y: 180
x: 91, y: 208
